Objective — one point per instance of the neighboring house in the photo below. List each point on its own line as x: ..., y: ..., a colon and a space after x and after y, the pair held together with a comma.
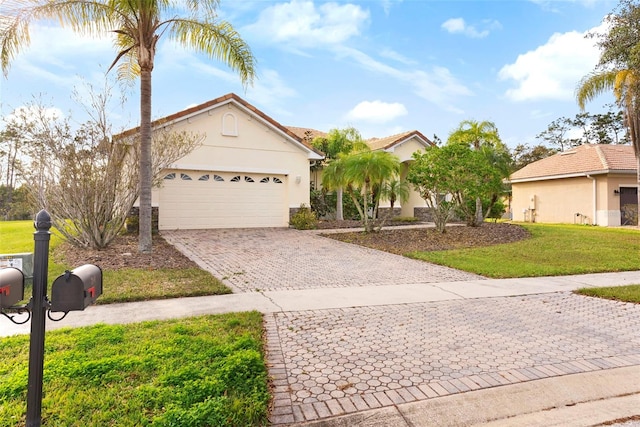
x: 590, y: 184
x: 250, y: 170
x: 402, y: 145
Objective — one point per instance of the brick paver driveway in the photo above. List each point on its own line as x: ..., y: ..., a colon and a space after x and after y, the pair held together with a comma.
x: 277, y: 259
x: 331, y: 362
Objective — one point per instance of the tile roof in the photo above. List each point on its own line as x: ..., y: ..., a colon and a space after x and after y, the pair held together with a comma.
x: 389, y: 141
x: 307, y: 134
x: 587, y: 158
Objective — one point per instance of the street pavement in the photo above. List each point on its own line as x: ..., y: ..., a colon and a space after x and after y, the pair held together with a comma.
x: 361, y: 337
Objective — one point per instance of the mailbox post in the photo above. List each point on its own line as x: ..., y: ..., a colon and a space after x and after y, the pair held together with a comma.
x: 74, y: 290
x: 42, y: 236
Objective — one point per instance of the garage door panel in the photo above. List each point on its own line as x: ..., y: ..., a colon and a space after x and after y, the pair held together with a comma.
x: 222, y: 203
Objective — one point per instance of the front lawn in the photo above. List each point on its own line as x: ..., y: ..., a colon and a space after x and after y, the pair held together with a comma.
x: 128, y: 276
x: 551, y: 250
x: 629, y: 293
x: 202, y: 371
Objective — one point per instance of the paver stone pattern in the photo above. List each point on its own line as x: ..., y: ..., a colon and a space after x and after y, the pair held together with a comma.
x: 272, y: 259
x: 332, y: 362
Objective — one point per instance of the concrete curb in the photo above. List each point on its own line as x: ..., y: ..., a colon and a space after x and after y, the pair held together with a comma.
x: 572, y: 400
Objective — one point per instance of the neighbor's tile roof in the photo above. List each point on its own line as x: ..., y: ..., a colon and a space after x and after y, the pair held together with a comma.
x: 307, y: 134
x: 389, y: 141
x: 587, y: 158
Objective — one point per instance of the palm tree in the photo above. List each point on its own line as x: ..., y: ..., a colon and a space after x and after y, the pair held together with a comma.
x: 624, y: 84
x: 339, y: 142
x: 366, y: 173
x: 480, y: 136
x: 138, y: 25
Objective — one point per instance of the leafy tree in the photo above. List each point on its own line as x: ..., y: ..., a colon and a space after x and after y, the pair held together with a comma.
x: 482, y: 137
x: 603, y: 128
x: 138, y: 26
x: 450, y: 178
x: 339, y: 142
x: 555, y: 134
x: 523, y: 154
x: 362, y: 175
x: 85, y: 178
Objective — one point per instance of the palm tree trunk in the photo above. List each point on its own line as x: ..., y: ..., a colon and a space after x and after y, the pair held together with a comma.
x: 339, y: 204
x: 144, y: 233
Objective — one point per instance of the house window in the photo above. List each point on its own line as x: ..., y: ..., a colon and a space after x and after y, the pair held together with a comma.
x: 235, y: 178
x: 218, y: 178
x: 170, y: 176
x: 204, y: 178
x: 229, y: 125
x: 265, y: 179
x: 248, y: 179
x: 185, y: 177
x: 277, y: 180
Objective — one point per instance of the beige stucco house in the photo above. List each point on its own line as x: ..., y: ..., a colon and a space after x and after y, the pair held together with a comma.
x: 250, y: 171
x: 590, y: 184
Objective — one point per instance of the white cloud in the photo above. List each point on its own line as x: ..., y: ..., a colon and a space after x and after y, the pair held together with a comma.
x: 392, y: 54
x: 436, y: 85
x: 302, y: 23
x: 377, y: 111
x: 553, y: 70
x: 459, y: 26
x: 55, y: 48
x: 272, y: 92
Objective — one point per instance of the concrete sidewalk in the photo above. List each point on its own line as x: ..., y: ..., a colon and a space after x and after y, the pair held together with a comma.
x: 326, y: 298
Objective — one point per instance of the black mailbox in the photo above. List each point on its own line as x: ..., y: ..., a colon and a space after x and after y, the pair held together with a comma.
x: 11, y: 287
x: 76, y: 289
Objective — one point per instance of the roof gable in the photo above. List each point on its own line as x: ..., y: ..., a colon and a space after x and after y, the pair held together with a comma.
x: 396, y: 140
x: 581, y: 160
x: 242, y: 104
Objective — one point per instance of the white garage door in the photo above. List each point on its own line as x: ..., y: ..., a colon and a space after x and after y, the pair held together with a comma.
x: 192, y: 199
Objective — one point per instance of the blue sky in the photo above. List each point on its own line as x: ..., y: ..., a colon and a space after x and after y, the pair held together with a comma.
x: 382, y: 66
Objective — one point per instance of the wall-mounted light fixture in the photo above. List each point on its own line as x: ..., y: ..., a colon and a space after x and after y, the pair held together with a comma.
x: 616, y: 192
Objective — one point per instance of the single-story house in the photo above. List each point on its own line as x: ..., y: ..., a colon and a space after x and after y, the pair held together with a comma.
x: 250, y: 171
x: 589, y: 184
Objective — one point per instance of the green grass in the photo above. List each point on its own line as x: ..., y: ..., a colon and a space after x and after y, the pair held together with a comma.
x: 629, y: 293
x: 551, y: 250
x: 202, y: 371
x: 118, y: 285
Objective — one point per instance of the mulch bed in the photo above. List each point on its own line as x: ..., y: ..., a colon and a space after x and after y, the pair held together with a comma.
x: 403, y: 241
x: 123, y: 253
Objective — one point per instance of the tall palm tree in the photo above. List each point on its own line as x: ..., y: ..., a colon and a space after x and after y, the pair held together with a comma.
x: 339, y: 142
x: 138, y: 26
x: 624, y: 85
x: 480, y: 136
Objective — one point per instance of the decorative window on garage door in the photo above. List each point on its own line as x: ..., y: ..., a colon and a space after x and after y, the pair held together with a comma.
x: 171, y: 175
x: 263, y: 180
x: 277, y: 180
x: 204, y: 178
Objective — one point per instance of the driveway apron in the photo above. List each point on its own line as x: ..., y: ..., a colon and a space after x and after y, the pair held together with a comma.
x: 325, y: 363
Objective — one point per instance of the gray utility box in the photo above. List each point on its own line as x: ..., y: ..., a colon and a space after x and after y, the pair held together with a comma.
x: 23, y: 262
x: 11, y: 287
x: 77, y: 289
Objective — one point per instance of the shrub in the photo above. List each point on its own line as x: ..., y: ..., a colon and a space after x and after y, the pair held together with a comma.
x: 304, y: 219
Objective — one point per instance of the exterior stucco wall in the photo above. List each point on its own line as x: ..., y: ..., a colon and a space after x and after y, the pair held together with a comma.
x: 556, y: 201
x: 559, y: 200
x: 243, y: 143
